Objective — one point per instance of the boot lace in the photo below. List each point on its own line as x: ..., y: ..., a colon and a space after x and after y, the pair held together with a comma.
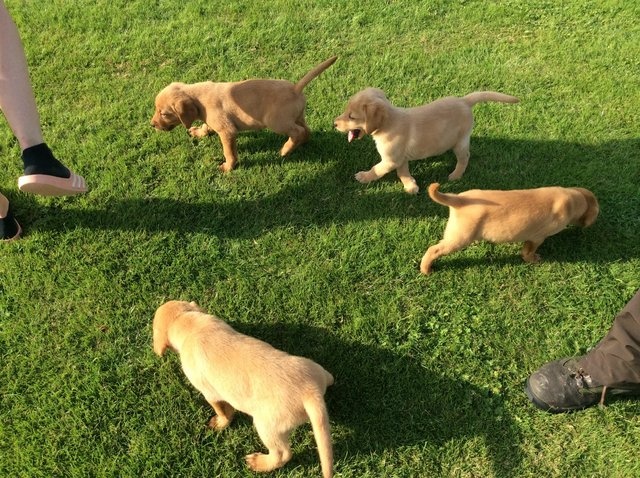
x: 583, y: 380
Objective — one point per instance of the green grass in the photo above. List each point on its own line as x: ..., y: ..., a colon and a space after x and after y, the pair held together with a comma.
x: 429, y: 371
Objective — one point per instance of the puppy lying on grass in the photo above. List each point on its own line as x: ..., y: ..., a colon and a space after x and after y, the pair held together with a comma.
x: 406, y: 134
x: 237, y: 372
x: 529, y: 215
x: 230, y: 107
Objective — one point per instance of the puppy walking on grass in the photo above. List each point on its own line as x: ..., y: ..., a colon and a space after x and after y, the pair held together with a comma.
x: 237, y: 372
x: 407, y: 134
x: 529, y: 215
x: 227, y: 108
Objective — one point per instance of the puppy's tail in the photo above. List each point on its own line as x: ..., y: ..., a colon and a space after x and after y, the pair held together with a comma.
x: 481, y: 96
x: 304, y: 81
x: 316, y: 409
x: 451, y: 200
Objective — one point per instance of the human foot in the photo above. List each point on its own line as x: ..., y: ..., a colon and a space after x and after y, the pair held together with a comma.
x: 45, y: 175
x: 9, y: 227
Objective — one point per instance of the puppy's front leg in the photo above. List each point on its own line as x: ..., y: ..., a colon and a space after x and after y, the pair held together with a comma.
x: 408, y: 181
x: 379, y: 170
x: 230, y: 150
x: 224, y: 415
x: 529, y: 251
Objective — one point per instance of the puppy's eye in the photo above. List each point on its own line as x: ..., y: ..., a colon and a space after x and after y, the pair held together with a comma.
x: 350, y: 116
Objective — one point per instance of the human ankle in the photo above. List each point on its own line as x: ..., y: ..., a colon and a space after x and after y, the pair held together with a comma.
x: 39, y: 159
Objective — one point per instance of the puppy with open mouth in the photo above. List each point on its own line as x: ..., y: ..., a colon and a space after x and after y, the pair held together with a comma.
x: 406, y: 134
x: 237, y: 372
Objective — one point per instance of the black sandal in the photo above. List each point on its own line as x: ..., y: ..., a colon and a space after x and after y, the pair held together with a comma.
x: 9, y: 227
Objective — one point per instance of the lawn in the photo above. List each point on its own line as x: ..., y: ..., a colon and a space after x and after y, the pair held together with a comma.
x: 429, y: 370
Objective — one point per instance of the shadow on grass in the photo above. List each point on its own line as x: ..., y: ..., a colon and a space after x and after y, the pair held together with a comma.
x: 383, y: 401
x: 334, y: 197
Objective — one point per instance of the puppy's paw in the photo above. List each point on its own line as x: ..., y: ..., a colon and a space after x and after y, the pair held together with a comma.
x: 258, y: 462
x: 532, y: 258
x: 226, y: 167
x: 363, y: 177
x: 199, y: 131
x: 412, y: 188
x: 455, y: 175
x: 218, y: 423
x: 287, y: 147
x: 425, y: 268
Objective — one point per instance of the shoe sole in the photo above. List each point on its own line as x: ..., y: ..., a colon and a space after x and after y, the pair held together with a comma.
x: 46, y: 185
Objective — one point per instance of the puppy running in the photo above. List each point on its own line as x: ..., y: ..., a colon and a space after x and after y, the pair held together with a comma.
x: 231, y: 107
x: 406, y: 134
x: 237, y: 372
x: 529, y: 215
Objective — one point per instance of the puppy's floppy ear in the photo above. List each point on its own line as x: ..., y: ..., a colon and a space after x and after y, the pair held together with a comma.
x: 185, y: 110
x: 160, y: 334
x: 375, y: 113
x: 593, y: 208
x: 160, y: 344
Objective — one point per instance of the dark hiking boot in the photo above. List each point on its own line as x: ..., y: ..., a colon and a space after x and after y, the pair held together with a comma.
x: 563, y: 386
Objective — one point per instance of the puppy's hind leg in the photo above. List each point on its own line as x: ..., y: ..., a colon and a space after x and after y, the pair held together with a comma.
x: 461, y: 151
x: 434, y: 252
x: 276, y: 441
x: 298, y: 134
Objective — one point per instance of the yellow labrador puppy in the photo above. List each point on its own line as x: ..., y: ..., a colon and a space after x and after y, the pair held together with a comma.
x: 237, y: 372
x: 230, y: 107
x: 529, y: 215
x: 406, y: 134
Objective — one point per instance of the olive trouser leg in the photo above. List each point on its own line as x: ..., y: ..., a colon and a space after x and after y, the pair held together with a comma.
x: 616, y: 358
